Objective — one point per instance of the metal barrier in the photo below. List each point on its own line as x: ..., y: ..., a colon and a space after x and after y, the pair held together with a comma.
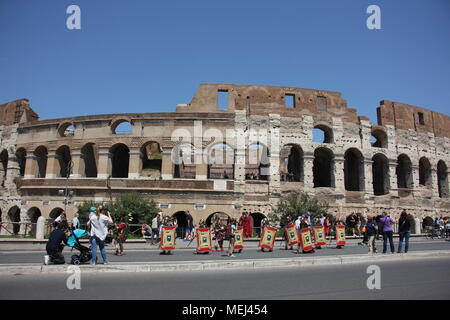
x: 18, y: 229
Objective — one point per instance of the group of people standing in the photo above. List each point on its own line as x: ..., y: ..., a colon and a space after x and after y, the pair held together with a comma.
x: 383, y: 225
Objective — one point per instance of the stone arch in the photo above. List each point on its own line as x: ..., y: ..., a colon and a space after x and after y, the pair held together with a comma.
x: 425, y: 178
x: 21, y: 155
x: 66, y: 129
x: 120, y: 160
x: 88, y: 161
x: 14, y: 217
x: 323, y: 168
x: 257, y: 162
x: 380, y: 174
x: 181, y: 217
x: 222, y: 216
x: 33, y: 215
x: 183, y: 161
x: 442, y: 173
x: 220, y: 159
x: 354, y: 170
x: 322, y: 133
x: 64, y: 161
x: 257, y: 217
x: 151, y: 156
x: 55, y: 213
x: 404, y: 172
x: 41, y: 156
x: 4, y: 166
x: 292, y: 163
x: 379, y: 138
x: 121, y: 125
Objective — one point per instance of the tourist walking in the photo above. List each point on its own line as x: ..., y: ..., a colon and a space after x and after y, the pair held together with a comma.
x: 388, y: 232
x: 232, y: 234
x: 404, y: 231
x: 98, y: 224
x: 189, y: 225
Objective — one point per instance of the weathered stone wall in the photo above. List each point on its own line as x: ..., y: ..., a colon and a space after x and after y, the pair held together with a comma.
x: 250, y: 108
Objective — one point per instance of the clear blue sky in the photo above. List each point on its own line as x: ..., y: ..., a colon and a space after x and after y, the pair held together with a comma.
x: 149, y: 56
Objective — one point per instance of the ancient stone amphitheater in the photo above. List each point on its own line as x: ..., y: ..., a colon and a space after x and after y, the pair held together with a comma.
x: 227, y: 158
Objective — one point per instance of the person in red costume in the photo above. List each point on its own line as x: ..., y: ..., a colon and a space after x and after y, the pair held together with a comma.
x: 247, y: 222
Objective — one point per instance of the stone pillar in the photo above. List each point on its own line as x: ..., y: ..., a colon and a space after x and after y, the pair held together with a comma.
x: 366, y: 133
x: 338, y: 131
x: 415, y: 177
x: 434, y: 181
x: 30, y: 167
x: 78, y: 165
x: 368, y: 179
x: 167, y: 166
x: 52, y: 165
x: 393, y: 187
x: 40, y: 228
x: 104, y: 164
x: 274, y: 140
x: 339, y: 180
x: 12, y: 172
x: 135, y: 164
x: 308, y: 174
x: 240, y: 139
x: 201, y: 171
x: 417, y: 226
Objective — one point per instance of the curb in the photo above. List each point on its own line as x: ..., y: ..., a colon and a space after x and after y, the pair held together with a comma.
x: 218, y: 265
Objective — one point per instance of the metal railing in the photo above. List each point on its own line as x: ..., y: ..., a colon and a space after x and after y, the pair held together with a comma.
x: 18, y: 229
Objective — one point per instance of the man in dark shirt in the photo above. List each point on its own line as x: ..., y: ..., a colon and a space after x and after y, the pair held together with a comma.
x: 56, y: 242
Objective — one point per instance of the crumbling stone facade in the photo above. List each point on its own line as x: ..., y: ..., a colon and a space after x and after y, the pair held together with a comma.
x: 359, y: 167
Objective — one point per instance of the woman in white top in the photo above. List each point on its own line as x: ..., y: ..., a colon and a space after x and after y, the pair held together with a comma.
x: 98, y: 224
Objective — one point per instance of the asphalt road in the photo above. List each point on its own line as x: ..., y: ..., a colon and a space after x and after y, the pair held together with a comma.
x: 141, y: 255
x: 414, y: 279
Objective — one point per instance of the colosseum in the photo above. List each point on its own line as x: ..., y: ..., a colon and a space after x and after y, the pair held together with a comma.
x: 206, y: 158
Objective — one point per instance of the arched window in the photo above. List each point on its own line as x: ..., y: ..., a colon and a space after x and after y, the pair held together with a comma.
x: 424, y: 172
x: 120, y: 160
x: 89, y: 161
x: 66, y: 130
x: 379, y: 139
x: 354, y: 170
x: 4, y: 166
x: 64, y: 161
x: 323, y: 168
x: 404, y: 172
x: 322, y: 134
x: 14, y: 217
x: 183, y: 161
x: 41, y: 155
x: 258, y: 162
x: 21, y: 155
x: 220, y: 161
x: 442, y: 173
x: 121, y: 127
x: 380, y: 174
x: 151, y: 156
x: 292, y: 164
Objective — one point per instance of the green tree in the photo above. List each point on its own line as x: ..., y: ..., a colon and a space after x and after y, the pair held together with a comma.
x: 296, y: 204
x: 132, y: 207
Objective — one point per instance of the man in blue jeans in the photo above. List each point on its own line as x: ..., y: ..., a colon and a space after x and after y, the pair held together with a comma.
x: 387, y: 231
x: 404, y: 230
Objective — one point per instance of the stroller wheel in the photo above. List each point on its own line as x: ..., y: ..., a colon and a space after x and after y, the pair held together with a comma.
x: 76, y: 262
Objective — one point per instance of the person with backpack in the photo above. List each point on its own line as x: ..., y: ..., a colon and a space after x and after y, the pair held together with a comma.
x: 388, y: 232
x: 404, y: 231
x: 371, y: 233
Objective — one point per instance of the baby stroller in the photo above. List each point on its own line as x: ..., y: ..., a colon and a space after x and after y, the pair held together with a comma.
x: 85, y: 253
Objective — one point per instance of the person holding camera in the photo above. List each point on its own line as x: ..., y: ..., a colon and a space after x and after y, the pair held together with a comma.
x: 98, y: 224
